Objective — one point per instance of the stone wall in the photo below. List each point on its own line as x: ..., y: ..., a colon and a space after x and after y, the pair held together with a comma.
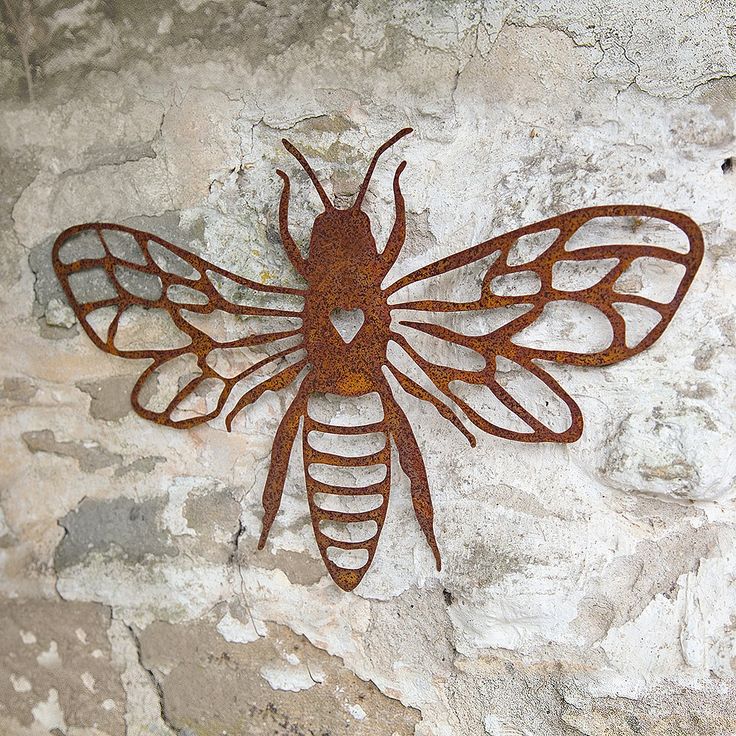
x: 586, y: 588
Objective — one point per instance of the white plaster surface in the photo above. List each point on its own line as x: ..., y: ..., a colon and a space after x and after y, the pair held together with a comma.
x: 586, y: 588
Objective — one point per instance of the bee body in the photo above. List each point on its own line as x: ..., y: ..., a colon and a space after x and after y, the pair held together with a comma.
x: 342, y: 344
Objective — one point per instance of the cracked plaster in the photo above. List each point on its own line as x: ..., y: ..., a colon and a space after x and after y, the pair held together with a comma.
x: 585, y: 589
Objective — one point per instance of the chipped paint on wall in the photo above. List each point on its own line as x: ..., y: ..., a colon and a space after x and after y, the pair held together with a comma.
x: 585, y: 589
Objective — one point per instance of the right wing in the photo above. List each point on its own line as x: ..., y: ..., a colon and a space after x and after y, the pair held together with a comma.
x: 538, y: 300
x: 124, y: 283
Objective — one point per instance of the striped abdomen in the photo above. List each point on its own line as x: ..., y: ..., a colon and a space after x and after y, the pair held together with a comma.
x: 347, y: 518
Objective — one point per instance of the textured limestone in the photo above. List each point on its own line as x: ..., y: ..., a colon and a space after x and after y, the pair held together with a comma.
x: 276, y: 682
x: 56, y: 669
x: 585, y: 588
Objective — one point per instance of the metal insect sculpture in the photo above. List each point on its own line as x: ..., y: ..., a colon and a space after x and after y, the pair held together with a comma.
x: 344, y: 273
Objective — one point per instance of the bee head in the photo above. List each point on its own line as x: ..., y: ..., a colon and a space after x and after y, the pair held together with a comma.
x: 342, y: 233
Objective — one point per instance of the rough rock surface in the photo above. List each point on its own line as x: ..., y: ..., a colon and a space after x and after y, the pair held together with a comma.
x: 586, y: 588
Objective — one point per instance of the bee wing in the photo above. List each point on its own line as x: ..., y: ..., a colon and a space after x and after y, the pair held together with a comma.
x: 138, y: 296
x: 545, y: 294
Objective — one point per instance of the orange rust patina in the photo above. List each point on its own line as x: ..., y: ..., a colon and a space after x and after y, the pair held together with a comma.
x: 346, y: 271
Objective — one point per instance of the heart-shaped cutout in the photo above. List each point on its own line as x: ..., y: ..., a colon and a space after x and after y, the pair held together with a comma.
x: 347, y: 322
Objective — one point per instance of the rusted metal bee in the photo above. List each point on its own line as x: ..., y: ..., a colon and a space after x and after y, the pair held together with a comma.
x: 344, y: 273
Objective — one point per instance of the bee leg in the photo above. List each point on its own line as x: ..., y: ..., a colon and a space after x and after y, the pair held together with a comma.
x: 411, y: 462
x: 280, y: 454
x: 398, y: 232
x: 290, y: 246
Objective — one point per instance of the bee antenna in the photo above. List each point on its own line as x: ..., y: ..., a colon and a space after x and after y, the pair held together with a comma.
x: 381, y: 150
x: 294, y: 151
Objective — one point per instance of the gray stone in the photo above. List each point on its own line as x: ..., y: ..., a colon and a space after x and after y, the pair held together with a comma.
x: 120, y: 528
x: 58, y: 653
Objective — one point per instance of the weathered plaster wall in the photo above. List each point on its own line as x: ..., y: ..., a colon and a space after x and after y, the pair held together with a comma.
x: 586, y: 589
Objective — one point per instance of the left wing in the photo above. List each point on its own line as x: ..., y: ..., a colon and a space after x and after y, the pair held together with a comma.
x: 541, y: 279
x: 204, y: 329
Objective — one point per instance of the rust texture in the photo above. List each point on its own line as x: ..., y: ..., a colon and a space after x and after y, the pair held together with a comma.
x: 344, y: 270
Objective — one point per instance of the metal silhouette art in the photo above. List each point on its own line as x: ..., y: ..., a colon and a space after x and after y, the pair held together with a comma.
x: 344, y: 274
